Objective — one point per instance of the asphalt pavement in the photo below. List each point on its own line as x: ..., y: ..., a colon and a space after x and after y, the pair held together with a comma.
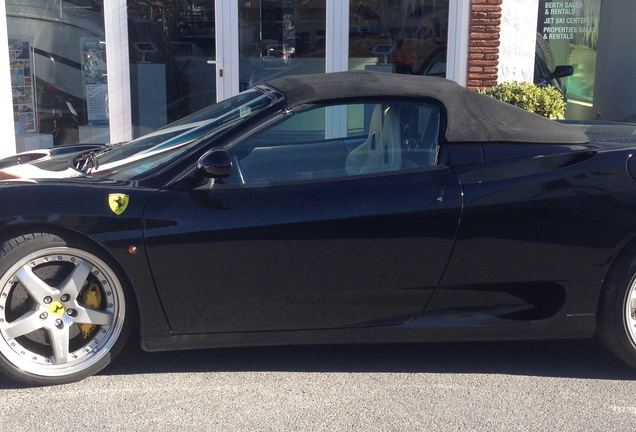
x: 521, y: 386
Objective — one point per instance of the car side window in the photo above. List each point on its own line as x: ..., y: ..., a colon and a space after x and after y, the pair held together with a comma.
x: 328, y: 141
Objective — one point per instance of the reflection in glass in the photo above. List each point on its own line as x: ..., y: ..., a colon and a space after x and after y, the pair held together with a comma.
x: 170, y: 44
x: 58, y: 71
x: 151, y: 152
x: 399, y: 36
x: 569, y: 36
x: 377, y: 137
x: 280, y: 37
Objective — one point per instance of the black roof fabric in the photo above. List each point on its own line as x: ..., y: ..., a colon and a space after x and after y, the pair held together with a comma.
x: 471, y: 117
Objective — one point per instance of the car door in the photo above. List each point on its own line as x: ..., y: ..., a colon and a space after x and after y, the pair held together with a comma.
x: 334, y: 217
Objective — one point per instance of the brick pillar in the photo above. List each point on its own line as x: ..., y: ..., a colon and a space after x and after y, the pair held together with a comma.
x: 483, y: 49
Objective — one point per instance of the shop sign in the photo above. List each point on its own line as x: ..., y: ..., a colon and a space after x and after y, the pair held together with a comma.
x: 567, y: 34
x: 562, y: 20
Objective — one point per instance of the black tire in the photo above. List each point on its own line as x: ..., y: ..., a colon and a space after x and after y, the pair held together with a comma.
x: 63, y: 310
x: 616, y: 323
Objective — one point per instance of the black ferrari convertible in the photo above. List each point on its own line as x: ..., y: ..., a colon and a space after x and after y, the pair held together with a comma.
x: 332, y: 208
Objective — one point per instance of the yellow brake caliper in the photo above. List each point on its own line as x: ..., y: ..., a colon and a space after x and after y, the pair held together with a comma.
x: 92, y: 298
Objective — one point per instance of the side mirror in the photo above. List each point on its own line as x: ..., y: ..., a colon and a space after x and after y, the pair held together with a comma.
x: 562, y: 71
x: 215, y: 164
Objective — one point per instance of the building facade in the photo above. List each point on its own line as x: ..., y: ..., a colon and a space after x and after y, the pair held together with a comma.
x: 111, y: 70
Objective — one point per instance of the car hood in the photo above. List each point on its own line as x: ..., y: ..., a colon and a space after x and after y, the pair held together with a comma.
x: 33, y: 166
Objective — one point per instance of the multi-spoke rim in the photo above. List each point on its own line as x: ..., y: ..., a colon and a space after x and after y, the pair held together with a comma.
x: 46, y: 326
x: 630, y: 312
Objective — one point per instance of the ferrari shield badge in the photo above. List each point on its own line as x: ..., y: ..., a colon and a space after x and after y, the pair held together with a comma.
x: 118, y: 203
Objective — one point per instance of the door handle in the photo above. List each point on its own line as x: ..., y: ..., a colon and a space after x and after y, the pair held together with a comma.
x: 219, y: 64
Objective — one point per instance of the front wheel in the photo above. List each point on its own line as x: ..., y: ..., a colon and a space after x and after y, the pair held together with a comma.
x: 62, y: 310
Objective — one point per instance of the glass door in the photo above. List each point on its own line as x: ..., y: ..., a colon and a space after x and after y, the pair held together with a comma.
x: 172, y: 47
x: 400, y: 36
x: 280, y: 37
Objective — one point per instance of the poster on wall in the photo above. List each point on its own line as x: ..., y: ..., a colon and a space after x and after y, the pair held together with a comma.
x: 22, y: 88
x: 95, y: 80
x: 567, y: 34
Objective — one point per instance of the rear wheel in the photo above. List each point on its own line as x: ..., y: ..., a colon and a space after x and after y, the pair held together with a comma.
x: 62, y: 310
x: 616, y: 325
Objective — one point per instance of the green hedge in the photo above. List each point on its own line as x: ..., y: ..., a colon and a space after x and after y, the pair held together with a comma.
x: 545, y: 101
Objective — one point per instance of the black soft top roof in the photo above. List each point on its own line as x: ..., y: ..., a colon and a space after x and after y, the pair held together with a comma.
x: 471, y: 117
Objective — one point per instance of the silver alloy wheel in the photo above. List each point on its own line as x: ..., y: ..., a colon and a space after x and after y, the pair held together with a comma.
x: 630, y: 312
x: 48, y: 327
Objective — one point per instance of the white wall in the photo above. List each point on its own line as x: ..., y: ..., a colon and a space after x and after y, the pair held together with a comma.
x: 7, y: 143
x: 518, y: 38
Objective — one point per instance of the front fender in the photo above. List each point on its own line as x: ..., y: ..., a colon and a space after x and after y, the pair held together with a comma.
x: 83, y: 211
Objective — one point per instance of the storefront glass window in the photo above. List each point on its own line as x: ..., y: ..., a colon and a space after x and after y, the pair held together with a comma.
x: 280, y: 37
x: 399, y: 36
x: 170, y: 44
x: 58, y: 70
x: 567, y: 34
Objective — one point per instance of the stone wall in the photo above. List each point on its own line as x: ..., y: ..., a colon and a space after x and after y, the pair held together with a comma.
x: 484, y: 41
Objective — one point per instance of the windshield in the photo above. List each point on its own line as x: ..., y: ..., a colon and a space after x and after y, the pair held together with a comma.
x: 155, y: 150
